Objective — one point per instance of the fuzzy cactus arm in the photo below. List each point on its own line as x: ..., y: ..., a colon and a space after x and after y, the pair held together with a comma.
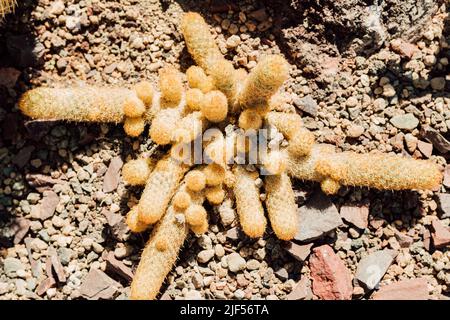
x: 248, y: 203
x: 287, y: 123
x: 77, y: 104
x: 199, y: 41
x: 169, y: 234
x: 159, y: 189
x: 136, y: 172
x: 263, y: 82
x: 7, y: 6
x: 164, y: 125
x: 380, y: 171
x: 281, y: 206
x: 190, y: 127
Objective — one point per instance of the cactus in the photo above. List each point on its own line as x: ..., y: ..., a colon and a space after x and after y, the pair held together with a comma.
x: 7, y: 6
x: 218, y: 95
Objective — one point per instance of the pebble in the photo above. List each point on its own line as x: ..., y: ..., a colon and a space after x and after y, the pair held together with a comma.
x: 438, y: 83
x: 372, y: 268
x: 406, y: 121
x: 355, y: 131
x: 205, y: 255
x: 253, y: 264
x: 11, y: 266
x: 233, y: 41
x: 235, y: 262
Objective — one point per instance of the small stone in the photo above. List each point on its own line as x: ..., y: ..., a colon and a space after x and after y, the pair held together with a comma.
x: 403, y: 48
x: 20, y: 228
x: 253, y: 264
x: 235, y: 262
x: 307, y: 104
x: 410, y: 289
x: 438, y: 83
x: 97, y: 285
x: 444, y: 205
x: 356, y: 215
x: 259, y: 15
x: 232, y: 233
x: 403, y: 240
x: 302, y: 291
x: 193, y: 295
x: 121, y: 252
x: 239, y: 294
x: 197, y: 281
x: 233, y: 41
x: 11, y: 266
x: 117, y: 267
x: 331, y: 278
x: 57, y: 266
x: 411, y: 142
x: 405, y: 121
x: 4, y: 288
x: 355, y: 131
x: 299, y: 252
x: 437, y: 139
x: 282, y: 274
x: 38, y: 245
x: 56, y: 8
x: 112, y: 176
x: 318, y: 217
x: 205, y: 255
x: 23, y: 156
x: 372, y: 268
x: 389, y: 91
x: 425, y: 148
x: 440, y: 234
x: 219, y: 251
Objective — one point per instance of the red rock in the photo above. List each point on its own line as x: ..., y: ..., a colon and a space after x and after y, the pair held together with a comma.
x: 35, y: 265
x: 403, y: 240
x: 427, y: 240
x: 118, y: 267
x: 425, y: 147
x: 45, y: 285
x: 403, y: 48
x: 20, y: 228
x: 97, y: 285
x: 356, y: 215
x: 331, y: 278
x: 47, y: 207
x: 299, y: 252
x: 112, y: 177
x: 57, y: 266
x: 444, y: 204
x: 446, y: 181
x: 441, y: 234
x: 41, y: 182
x: 8, y: 77
x: 376, y: 223
x: 411, y: 289
x: 301, y: 291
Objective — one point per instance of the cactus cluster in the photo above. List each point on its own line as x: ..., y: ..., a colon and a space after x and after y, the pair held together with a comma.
x: 218, y: 96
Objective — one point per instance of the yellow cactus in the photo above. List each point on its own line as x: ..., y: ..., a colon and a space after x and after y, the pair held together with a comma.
x: 164, y: 125
x: 133, y: 222
x: 248, y: 203
x: 197, y: 78
x: 225, y: 80
x: 195, y: 180
x: 263, y: 81
x: 136, y: 172
x: 250, y: 119
x: 214, y: 106
x: 77, y: 104
x: 281, y: 206
x: 215, y: 195
x: 214, y: 173
x: 144, y: 90
x: 275, y: 162
x: 171, y: 86
x: 181, y: 200
x: 194, y: 98
x: 7, y: 6
x: 134, y: 107
x: 159, y: 189
x: 301, y: 143
x: 134, y: 126
x: 189, y: 127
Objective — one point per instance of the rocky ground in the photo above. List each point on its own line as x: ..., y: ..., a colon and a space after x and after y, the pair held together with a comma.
x: 63, y: 201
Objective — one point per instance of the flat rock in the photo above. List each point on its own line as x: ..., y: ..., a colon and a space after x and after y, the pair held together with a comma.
x: 117, y: 267
x: 57, y: 266
x: 372, y: 268
x: 440, y: 234
x: 23, y: 156
x: 437, y: 139
x: 307, y: 104
x: 356, y: 215
x: 41, y: 182
x: 112, y: 176
x: 205, y: 255
x: 45, y: 284
x: 331, y: 278
x: 233, y: 233
x: 301, y: 291
x: 403, y: 48
x: 97, y: 285
x: 444, y: 205
x: 20, y: 228
x: 410, y: 289
x: 318, y: 217
x: 298, y: 251
x: 404, y: 240
x: 425, y: 148
x: 405, y: 121
x: 47, y: 207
